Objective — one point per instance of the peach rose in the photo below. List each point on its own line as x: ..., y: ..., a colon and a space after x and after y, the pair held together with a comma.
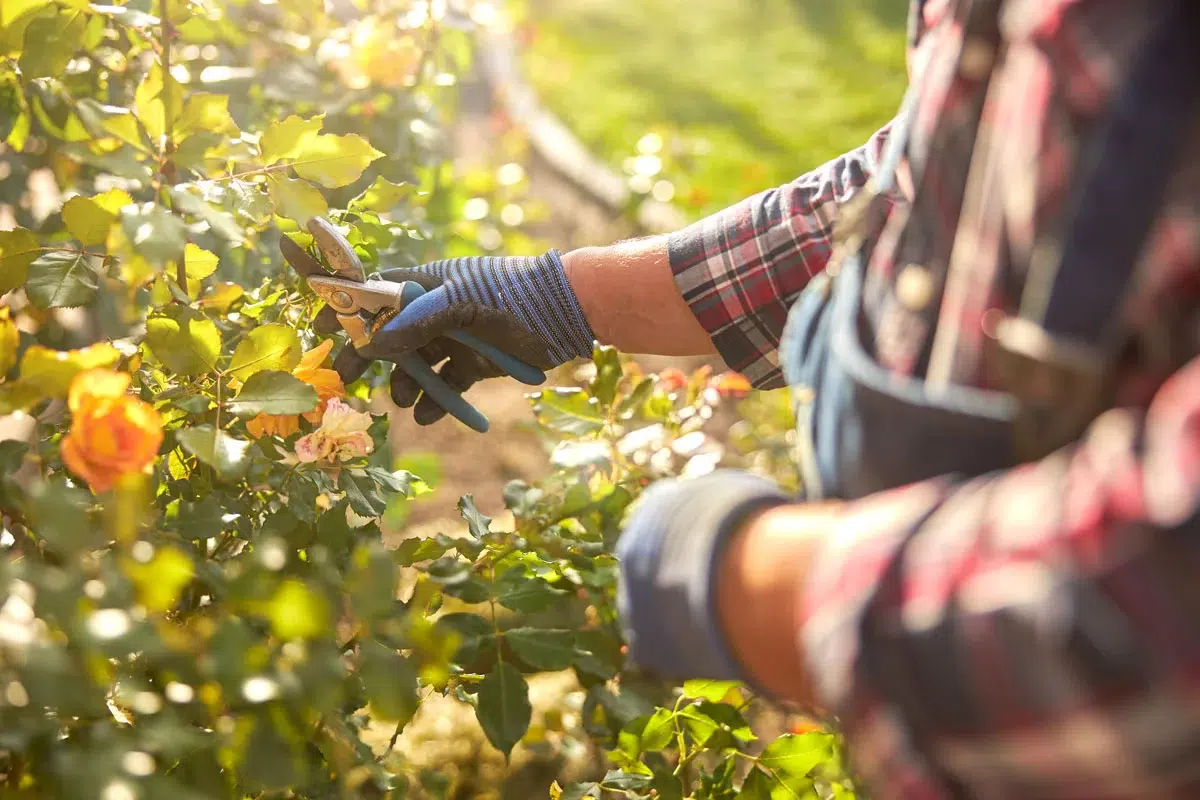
x: 113, y: 434
x: 310, y: 370
x: 341, y: 437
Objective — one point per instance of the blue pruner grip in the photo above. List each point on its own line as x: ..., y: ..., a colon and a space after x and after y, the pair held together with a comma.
x: 441, y: 392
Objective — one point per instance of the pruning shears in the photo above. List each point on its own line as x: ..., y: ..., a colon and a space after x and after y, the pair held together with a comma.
x: 364, y: 305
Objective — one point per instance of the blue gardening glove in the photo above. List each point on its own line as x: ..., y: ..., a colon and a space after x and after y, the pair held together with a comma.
x: 524, y: 306
x: 669, y: 555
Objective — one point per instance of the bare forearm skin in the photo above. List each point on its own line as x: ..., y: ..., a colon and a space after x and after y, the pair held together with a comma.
x: 762, y: 578
x: 629, y: 297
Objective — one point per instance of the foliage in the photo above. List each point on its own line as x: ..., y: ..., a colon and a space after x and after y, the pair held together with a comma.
x: 195, y: 598
x: 709, y: 102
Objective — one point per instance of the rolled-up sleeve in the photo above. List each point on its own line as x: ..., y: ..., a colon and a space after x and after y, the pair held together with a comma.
x: 1031, y: 633
x: 740, y: 269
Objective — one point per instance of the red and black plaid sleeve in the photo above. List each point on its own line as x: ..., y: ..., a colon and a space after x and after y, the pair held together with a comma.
x: 740, y: 269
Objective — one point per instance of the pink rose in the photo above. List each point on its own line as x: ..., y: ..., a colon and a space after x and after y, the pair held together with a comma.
x: 341, y: 437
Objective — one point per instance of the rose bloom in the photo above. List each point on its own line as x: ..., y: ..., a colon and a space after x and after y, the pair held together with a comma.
x: 341, y: 437
x: 113, y: 434
x: 327, y: 383
x: 732, y: 384
x: 672, y: 379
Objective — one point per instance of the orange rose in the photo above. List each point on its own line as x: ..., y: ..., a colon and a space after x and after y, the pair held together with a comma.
x: 732, y: 384
x: 113, y: 434
x: 327, y: 383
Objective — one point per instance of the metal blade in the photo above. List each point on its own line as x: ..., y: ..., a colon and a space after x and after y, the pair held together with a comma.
x: 337, y: 251
x: 300, y: 260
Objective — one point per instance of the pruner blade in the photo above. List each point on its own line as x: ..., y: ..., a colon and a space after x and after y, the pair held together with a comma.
x: 338, y: 252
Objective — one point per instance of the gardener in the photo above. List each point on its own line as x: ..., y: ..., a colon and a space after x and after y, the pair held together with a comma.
x: 992, y: 581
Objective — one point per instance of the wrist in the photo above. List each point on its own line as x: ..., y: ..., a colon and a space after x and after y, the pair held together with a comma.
x: 669, y: 556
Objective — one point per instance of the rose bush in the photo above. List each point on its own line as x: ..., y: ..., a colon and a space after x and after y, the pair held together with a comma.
x: 195, y: 597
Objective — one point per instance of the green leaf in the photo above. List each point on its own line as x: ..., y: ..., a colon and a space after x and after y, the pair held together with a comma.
x: 477, y: 523
x: 297, y: 612
x: 295, y: 199
x: 568, y: 410
x: 542, y: 649
x: 204, y: 112
x: 154, y: 232
x: 361, y: 494
x: 372, y: 581
x: 504, y: 710
x: 19, y: 395
x: 18, y: 249
x: 381, y: 196
x: 10, y: 10
x: 158, y: 102
x: 274, y: 392
x: 270, y: 762
x: 53, y: 370
x: 185, y: 341
x: 86, y: 220
x: 608, y: 373
x: 200, y: 519
x: 525, y: 593
x: 473, y: 633
x: 390, y: 681
x: 287, y: 138
x: 198, y: 262
x: 10, y: 341
x: 794, y: 755
x: 647, y: 734
x: 19, y: 134
x: 624, y: 781
x: 334, y: 161
x: 162, y: 580
x: 416, y: 549
x: 757, y: 786
x: 59, y: 516
x: 713, y: 723
x: 50, y: 44
x: 216, y: 448
x: 706, y: 689
x: 221, y: 221
x: 61, y: 279
x: 272, y: 346
x: 581, y: 791
x: 114, y: 121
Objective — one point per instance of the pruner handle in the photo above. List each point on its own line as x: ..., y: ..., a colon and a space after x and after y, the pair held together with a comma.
x: 441, y: 392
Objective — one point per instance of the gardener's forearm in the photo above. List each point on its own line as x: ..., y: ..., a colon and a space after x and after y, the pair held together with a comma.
x: 763, y: 573
x: 630, y: 299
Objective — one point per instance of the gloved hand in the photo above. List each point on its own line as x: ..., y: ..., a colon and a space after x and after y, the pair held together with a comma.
x: 669, y: 555
x: 524, y: 306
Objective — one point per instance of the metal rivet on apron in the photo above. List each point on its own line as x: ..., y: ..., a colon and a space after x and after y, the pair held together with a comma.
x: 914, y: 287
x: 976, y: 59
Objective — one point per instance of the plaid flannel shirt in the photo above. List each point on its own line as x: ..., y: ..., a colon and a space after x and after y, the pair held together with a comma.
x: 1040, y: 630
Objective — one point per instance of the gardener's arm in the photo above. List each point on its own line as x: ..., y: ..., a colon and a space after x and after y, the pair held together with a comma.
x: 724, y: 283
x: 995, y: 621
x: 628, y: 294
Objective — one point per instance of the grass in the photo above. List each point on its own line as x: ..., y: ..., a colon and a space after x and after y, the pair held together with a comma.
x: 747, y: 94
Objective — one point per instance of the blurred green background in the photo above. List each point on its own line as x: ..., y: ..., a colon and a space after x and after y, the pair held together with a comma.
x: 737, y: 96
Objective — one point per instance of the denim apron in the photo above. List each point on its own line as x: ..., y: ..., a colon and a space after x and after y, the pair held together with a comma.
x: 863, y: 429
